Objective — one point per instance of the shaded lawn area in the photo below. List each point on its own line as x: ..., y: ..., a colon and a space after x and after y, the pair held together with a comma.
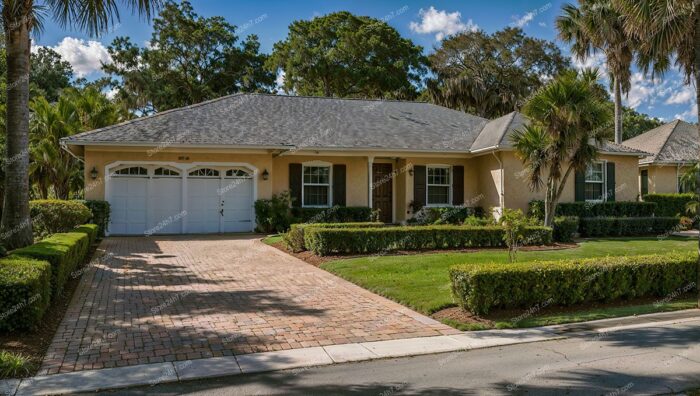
x: 422, y: 282
x: 272, y: 239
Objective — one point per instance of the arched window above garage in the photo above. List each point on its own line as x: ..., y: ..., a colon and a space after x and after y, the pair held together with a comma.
x: 166, y: 172
x: 204, y: 172
x: 132, y: 171
x: 238, y: 174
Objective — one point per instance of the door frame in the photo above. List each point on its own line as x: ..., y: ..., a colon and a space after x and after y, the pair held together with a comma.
x: 185, y: 168
x: 393, y: 186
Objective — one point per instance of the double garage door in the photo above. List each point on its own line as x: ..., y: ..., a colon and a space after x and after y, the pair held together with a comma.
x: 152, y: 199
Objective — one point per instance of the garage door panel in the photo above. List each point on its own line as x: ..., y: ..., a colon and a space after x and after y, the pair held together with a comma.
x: 203, y: 205
x: 238, y: 206
x: 166, y: 205
x: 128, y: 204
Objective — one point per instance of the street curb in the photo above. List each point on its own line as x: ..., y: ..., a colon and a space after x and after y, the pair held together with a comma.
x: 305, y: 358
x: 302, y: 358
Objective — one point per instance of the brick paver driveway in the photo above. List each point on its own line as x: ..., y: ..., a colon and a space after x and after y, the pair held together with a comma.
x: 163, y: 299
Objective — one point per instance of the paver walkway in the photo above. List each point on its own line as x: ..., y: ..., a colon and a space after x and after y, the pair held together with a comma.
x: 161, y: 299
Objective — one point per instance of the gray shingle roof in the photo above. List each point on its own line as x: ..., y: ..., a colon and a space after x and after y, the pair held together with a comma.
x: 675, y: 142
x: 277, y: 121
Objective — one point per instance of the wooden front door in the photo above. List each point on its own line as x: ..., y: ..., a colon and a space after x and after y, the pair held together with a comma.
x: 382, y: 194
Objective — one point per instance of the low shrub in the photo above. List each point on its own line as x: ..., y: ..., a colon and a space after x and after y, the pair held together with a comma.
x: 91, y: 230
x: 325, y: 241
x: 447, y: 215
x: 668, y: 205
x: 564, y: 228
x: 593, y: 209
x: 481, y: 288
x: 477, y: 221
x: 627, y: 226
x: 65, y: 252
x: 273, y: 215
x: 14, y: 365
x: 336, y: 214
x: 100, y: 215
x: 25, y: 292
x: 51, y: 216
x: 294, y: 239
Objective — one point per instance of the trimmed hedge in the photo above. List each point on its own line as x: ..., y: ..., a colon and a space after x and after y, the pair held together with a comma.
x: 670, y: 204
x: 51, y: 216
x: 627, y: 226
x: 91, y: 230
x: 599, y: 209
x: 564, y: 228
x: 481, y: 288
x: 25, y: 292
x: 447, y: 215
x: 65, y: 252
x: 336, y: 214
x: 325, y: 241
x: 100, y: 215
x: 294, y: 238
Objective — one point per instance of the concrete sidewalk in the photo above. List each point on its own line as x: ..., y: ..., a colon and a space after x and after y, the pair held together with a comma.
x: 305, y: 358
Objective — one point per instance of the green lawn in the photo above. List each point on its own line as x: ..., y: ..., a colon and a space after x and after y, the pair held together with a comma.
x: 422, y: 282
x: 272, y: 239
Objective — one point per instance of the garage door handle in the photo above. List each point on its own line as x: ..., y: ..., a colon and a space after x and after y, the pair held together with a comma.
x: 221, y: 212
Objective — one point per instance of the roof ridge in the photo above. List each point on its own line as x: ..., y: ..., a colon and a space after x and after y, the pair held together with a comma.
x: 668, y: 136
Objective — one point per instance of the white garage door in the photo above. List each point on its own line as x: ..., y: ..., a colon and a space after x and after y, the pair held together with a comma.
x: 149, y: 200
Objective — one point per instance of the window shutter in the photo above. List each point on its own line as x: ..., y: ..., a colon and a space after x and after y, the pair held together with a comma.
x: 295, y: 184
x: 458, y: 185
x: 339, y: 185
x: 419, y: 186
x: 580, y: 187
x: 610, y: 182
x: 645, y: 182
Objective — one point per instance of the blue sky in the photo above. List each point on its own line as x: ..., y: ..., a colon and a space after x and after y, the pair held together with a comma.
x: 424, y: 22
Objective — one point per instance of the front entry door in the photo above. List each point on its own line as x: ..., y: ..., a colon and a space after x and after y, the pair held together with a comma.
x: 382, y: 198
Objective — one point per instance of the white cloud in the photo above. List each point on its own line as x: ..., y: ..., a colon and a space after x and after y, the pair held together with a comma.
x: 685, y: 95
x: 543, y: 24
x: 523, y: 20
x: 441, y: 23
x: 279, y: 82
x: 691, y: 115
x: 84, y: 56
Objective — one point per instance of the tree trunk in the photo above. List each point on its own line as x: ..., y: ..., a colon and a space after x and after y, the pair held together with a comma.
x: 16, y: 223
x: 549, y: 204
x: 618, y: 110
x: 697, y: 98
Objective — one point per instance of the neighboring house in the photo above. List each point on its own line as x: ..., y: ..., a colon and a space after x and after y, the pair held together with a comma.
x: 199, y: 169
x: 673, y: 147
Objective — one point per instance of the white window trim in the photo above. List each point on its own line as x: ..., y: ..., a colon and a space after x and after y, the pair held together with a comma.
x: 449, y: 185
x: 604, y: 182
x: 317, y: 164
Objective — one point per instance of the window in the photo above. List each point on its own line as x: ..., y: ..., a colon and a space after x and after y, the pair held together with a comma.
x: 595, y: 182
x: 237, y: 173
x: 439, y: 185
x: 645, y: 182
x: 205, y: 172
x: 132, y: 171
x: 166, y: 172
x: 316, y: 186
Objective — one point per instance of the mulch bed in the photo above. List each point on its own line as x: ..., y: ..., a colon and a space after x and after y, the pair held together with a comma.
x: 34, y: 344
x: 313, y: 259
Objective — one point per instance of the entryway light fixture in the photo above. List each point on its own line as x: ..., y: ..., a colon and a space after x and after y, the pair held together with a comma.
x: 93, y: 173
x: 265, y: 174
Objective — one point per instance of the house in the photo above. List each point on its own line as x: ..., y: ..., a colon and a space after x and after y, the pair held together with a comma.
x: 673, y: 147
x: 198, y: 169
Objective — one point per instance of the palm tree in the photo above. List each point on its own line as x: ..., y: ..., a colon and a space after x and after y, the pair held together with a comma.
x: 668, y: 31
x: 596, y: 26
x: 19, y: 19
x: 567, y: 125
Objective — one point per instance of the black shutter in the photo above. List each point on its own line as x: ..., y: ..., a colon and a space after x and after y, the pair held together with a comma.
x: 645, y: 183
x: 339, y: 185
x: 295, y: 184
x: 611, y: 182
x: 419, y: 186
x: 580, y: 187
x: 458, y: 185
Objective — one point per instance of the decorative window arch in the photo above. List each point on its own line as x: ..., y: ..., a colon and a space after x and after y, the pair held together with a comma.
x: 205, y: 172
x: 166, y: 172
x: 238, y: 174
x: 131, y: 171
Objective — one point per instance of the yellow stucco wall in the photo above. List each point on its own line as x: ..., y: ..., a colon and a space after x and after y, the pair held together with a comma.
x: 518, y: 194
x: 482, y: 174
x: 663, y: 179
